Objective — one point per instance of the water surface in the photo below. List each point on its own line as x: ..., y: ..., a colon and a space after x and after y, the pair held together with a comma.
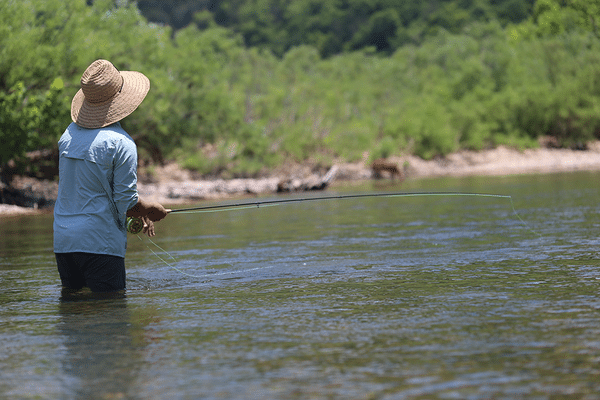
x: 377, y: 298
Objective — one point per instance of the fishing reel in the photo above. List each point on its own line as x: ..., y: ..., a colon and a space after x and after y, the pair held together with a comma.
x: 134, y: 225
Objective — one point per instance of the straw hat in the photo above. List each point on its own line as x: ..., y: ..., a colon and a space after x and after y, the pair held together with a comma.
x: 107, y: 95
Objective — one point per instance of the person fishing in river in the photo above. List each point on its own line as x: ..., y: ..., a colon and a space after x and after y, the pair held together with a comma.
x: 97, y: 187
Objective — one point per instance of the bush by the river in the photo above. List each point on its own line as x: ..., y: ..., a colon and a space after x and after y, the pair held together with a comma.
x: 219, y: 106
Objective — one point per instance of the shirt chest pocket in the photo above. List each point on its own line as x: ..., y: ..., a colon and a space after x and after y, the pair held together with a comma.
x: 99, y: 153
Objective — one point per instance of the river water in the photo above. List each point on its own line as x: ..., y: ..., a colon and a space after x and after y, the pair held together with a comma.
x: 373, y: 298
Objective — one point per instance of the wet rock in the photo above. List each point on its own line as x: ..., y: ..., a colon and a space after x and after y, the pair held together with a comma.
x: 312, y: 182
x: 29, y: 192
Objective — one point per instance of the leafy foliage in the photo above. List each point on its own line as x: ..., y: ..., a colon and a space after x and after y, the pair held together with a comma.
x: 29, y: 121
x: 334, y: 26
x: 221, y: 107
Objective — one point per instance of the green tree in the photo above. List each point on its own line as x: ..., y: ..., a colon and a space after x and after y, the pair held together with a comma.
x: 30, y: 121
x: 334, y: 26
x: 380, y: 31
x: 589, y: 13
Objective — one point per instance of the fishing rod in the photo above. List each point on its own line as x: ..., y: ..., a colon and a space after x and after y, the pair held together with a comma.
x: 266, y: 203
x: 135, y: 225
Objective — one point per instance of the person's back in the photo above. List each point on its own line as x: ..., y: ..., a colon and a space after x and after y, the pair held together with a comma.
x: 97, y: 186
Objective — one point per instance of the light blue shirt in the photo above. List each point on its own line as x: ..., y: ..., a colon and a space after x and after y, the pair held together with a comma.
x: 97, y: 185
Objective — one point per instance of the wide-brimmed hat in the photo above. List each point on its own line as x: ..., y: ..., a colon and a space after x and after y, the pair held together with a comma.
x: 107, y: 95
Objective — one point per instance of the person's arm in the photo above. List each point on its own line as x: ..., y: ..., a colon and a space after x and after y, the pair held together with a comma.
x: 152, y: 210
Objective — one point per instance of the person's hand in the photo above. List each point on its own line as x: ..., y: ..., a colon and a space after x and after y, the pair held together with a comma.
x: 156, y: 212
x: 148, y: 227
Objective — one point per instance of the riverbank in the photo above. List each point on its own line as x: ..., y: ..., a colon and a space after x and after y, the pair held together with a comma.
x: 172, y: 185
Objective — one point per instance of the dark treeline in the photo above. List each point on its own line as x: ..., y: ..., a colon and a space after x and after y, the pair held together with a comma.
x: 224, y: 101
x: 335, y: 26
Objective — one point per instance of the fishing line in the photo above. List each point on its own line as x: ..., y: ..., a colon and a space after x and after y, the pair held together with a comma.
x: 190, y: 275
x: 270, y: 203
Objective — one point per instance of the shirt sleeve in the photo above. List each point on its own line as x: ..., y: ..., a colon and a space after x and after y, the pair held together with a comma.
x: 125, y: 192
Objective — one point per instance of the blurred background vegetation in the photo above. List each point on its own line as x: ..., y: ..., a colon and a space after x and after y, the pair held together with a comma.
x: 240, y: 87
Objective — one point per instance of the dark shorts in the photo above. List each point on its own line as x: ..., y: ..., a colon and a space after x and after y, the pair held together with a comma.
x: 99, y: 272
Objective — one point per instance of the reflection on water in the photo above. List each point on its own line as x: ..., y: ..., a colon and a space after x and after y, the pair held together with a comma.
x: 372, y: 299
x: 101, y: 356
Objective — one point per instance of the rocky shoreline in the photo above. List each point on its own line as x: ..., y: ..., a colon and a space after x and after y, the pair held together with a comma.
x: 171, y: 185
